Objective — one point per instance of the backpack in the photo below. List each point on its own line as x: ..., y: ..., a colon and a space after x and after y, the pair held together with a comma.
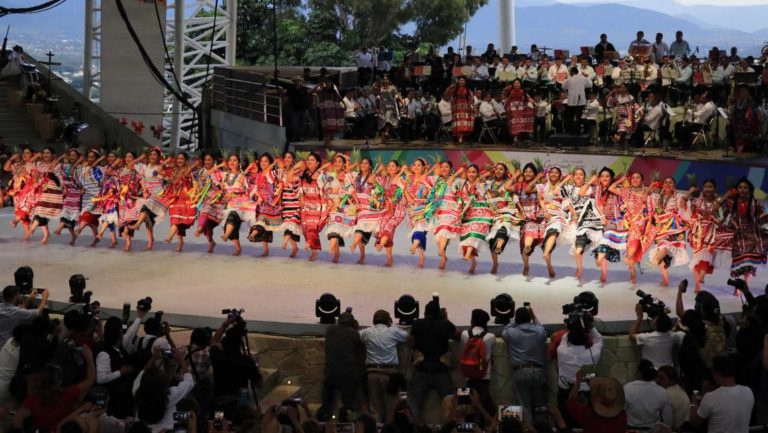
x: 715, y: 343
x: 143, y: 352
x: 473, y: 362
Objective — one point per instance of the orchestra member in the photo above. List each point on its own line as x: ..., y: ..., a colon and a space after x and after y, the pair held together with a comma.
x: 364, y: 62
x: 723, y: 74
x: 495, y: 62
x: 659, y: 49
x: 637, y: 43
x: 648, y: 73
x: 602, y: 47
x: 694, y: 120
x: 529, y: 75
x: 558, y: 73
x: 489, y: 54
x: 680, y: 47
x: 734, y: 57
x: 575, y: 86
x: 488, y: 113
x: 585, y: 69
x: 744, y: 67
x: 444, y: 108
x: 506, y: 72
x: 540, y: 120
x: 652, y: 117
x: 535, y: 54
x: 479, y: 73
x: 589, y: 116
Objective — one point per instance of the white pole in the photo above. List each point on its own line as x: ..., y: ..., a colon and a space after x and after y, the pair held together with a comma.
x: 88, y: 54
x: 505, y: 32
x: 178, y: 64
x: 512, y: 20
x: 232, y: 32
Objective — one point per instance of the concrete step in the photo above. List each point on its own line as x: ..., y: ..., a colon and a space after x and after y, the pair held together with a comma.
x: 270, y: 379
x: 278, y: 394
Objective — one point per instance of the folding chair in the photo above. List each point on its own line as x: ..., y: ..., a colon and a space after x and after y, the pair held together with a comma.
x: 486, y: 129
x: 703, y: 133
x: 444, y: 132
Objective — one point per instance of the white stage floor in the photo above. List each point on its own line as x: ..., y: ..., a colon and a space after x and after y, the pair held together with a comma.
x: 281, y: 289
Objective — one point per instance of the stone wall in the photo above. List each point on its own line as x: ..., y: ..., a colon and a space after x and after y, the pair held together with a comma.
x: 301, y: 361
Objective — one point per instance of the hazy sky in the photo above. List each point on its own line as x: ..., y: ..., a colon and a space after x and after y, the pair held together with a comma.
x: 691, y: 2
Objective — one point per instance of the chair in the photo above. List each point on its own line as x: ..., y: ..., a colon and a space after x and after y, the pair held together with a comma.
x: 703, y: 134
x: 490, y: 130
x: 444, y: 131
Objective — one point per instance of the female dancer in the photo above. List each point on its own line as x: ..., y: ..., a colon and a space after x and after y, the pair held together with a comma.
x: 130, y: 193
x: 507, y: 212
x: 336, y: 187
x: 417, y: 188
x: 462, y: 108
x: 107, y: 200
x: 369, y: 201
x: 239, y: 207
x: 153, y: 207
x: 177, y: 196
x: 268, y: 191
x: 709, y: 239
x: 444, y: 196
x: 668, y: 229
x: 314, y: 207
x: 518, y: 111
x: 392, y: 184
x: 609, y: 208
x: 476, y: 216
x: 749, y: 240
x: 90, y: 177
x: 22, y: 186
x: 331, y: 109
x: 586, y: 226
x: 209, y: 198
x: 551, y: 202
x: 49, y: 195
x: 635, y: 199
x: 389, y: 100
x: 70, y: 210
x: 290, y: 212
x: 533, y: 227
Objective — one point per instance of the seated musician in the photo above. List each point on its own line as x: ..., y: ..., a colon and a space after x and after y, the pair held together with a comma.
x: 540, y: 120
x: 695, y: 119
x: 367, y: 114
x: 558, y: 73
x: 744, y: 67
x: 602, y: 47
x: 488, y: 113
x: 498, y: 104
x: 648, y: 73
x: 723, y: 74
x: 585, y: 69
x: 479, y: 73
x: 652, y: 118
x: 685, y: 72
x: 667, y: 71
x: 529, y: 75
x: 589, y: 115
x: 505, y: 72
x: 535, y: 54
x: 489, y: 54
x: 603, y: 73
x: 637, y: 43
x: 495, y: 62
x: 414, y: 117
x: 544, y: 72
x: 444, y: 108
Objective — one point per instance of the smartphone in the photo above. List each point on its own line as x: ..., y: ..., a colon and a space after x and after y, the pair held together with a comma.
x: 159, y: 316
x: 465, y: 427
x: 181, y: 418
x: 510, y: 412
x: 126, y: 312
x: 463, y: 395
x: 218, y: 421
x: 684, y: 286
x: 403, y: 395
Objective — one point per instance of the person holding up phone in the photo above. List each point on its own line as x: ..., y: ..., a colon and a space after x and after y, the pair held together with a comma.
x: 14, y: 312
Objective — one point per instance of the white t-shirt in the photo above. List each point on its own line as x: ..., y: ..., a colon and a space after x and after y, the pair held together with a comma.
x: 9, y: 362
x: 646, y: 403
x: 728, y: 409
x: 657, y: 347
x: 175, y: 395
x: 489, y: 340
x: 680, y: 405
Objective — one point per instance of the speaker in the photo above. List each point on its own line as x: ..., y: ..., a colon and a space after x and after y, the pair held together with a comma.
x: 569, y: 140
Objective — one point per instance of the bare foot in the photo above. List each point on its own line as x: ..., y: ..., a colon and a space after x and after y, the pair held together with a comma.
x: 361, y: 261
x: 551, y: 270
x: 467, y: 257
x: 284, y: 245
x: 96, y: 240
x: 113, y: 243
x: 603, y: 278
x: 353, y: 247
x: 264, y: 254
x: 27, y: 236
x: 127, y: 246
x: 237, y: 251
x: 313, y: 256
x: 224, y: 238
x: 379, y: 246
x: 198, y: 232
x: 180, y: 248
x: 526, y: 269
x: 150, y: 245
x: 494, y: 269
x: 44, y: 240
x: 168, y: 240
x: 388, y: 263
x: 336, y: 256
x: 211, y: 246
x: 632, y: 274
x: 13, y: 223
x: 472, y: 267
x: 294, y: 252
x: 421, y: 261
x: 414, y: 247
x: 443, y: 262
x: 579, y: 272
x: 58, y: 231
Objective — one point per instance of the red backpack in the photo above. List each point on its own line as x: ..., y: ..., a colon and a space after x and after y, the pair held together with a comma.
x: 474, y: 364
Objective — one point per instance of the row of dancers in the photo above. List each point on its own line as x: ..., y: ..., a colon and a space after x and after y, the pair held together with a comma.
x: 600, y: 214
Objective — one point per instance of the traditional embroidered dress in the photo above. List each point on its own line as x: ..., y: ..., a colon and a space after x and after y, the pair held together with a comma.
x: 107, y: 201
x: 506, y: 216
x: 90, y: 179
x: 341, y: 219
x: 669, y: 229
x: 552, y: 207
x: 519, y: 114
x: 533, y: 226
x: 710, y: 241
x: 395, y: 208
x: 180, y: 205
x: 420, y: 209
x: 615, y: 232
x: 477, y: 217
x: 749, y: 240
x: 70, y: 211
x: 49, y: 194
x: 22, y: 189
x: 236, y: 190
x: 290, y: 213
x: 152, y: 183
x: 267, y: 186
x: 331, y: 110
x: 128, y: 197
x: 208, y: 199
x: 389, y: 114
x: 314, y: 210
x: 627, y: 115
x: 637, y: 220
x: 462, y: 109
x: 371, y: 208
x: 587, y: 229
x: 449, y: 206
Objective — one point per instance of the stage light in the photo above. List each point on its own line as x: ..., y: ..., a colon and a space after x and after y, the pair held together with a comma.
x: 406, y: 309
x: 327, y: 308
x: 76, y: 288
x: 24, y: 277
x: 502, y: 309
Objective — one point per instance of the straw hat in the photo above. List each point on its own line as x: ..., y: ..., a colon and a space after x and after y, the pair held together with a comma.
x: 607, y: 396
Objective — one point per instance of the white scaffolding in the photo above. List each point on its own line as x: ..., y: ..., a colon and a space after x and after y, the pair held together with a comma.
x: 92, y: 59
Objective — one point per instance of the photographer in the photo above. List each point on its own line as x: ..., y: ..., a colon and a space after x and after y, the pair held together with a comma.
x: 429, y: 337
x: 658, y: 345
x: 233, y: 370
x: 728, y: 408
x: 154, y: 397
x: 382, y: 362
x: 720, y: 330
x: 113, y: 371
x: 11, y: 315
x: 604, y: 411
x: 343, y: 361
x: 453, y: 410
x: 479, y: 331
x: 647, y: 403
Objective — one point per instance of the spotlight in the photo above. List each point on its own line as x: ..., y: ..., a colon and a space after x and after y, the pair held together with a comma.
x: 502, y: 309
x: 327, y: 308
x: 406, y: 309
x: 76, y: 289
x: 24, y: 277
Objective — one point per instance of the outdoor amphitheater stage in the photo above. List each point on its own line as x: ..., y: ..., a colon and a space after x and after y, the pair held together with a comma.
x: 278, y: 293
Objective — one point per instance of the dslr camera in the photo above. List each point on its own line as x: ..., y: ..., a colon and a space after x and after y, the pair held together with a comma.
x: 653, y: 307
x: 234, y: 313
x: 144, y: 304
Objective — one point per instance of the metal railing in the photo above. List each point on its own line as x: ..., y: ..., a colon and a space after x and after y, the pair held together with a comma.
x: 247, y: 95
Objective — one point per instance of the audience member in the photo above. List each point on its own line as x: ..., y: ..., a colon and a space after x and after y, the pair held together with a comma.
x: 646, y: 403
x: 658, y: 345
x: 235, y: 373
x: 667, y: 378
x: 476, y: 337
x: 12, y: 315
x: 604, y: 411
x: 728, y: 408
x: 343, y: 366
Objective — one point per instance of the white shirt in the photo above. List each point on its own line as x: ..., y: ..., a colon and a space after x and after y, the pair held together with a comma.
x: 680, y: 403
x: 704, y: 112
x: 685, y: 76
x: 363, y: 59
x: 646, y: 403
x: 575, y: 86
x: 381, y: 343
x: 591, y: 110
x: 499, y: 107
x: 104, y: 373
x: 722, y: 75
x: 588, y: 71
x: 9, y: 362
x: 558, y: 74
x: 679, y: 49
x: 489, y: 340
x: 542, y: 108
x: 12, y: 316
x: 175, y: 394
x: 651, y: 119
x: 571, y: 358
x: 727, y: 409
x: 349, y: 107
x: 445, y: 111
x: 131, y: 342
x: 530, y: 74
x: 479, y: 72
x: 487, y: 112
x: 506, y: 72
x: 659, y: 50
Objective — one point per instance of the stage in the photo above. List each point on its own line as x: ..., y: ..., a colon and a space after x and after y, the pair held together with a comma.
x: 278, y: 293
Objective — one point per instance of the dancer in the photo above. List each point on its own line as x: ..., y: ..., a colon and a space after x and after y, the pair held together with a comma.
x: 239, y: 208
x: 476, y: 216
x: 551, y: 202
x: 22, y: 187
x: 519, y: 111
x: 290, y: 213
x: 70, y: 211
x: 615, y: 233
x: 90, y: 177
x: 417, y: 188
x: 314, y: 207
x: 586, y: 226
x: 635, y: 198
x: 128, y: 198
x: 448, y: 214
x: 389, y: 100
x: 331, y: 109
x: 177, y: 197
x: 668, y: 230
x: 49, y: 195
x: 268, y: 189
x: 392, y: 184
x: 462, y: 108
x: 533, y: 227
x: 107, y: 200
x: 506, y: 209
x: 710, y: 240
x: 369, y: 201
x: 208, y: 198
x: 153, y: 206
x: 749, y: 239
x: 336, y: 187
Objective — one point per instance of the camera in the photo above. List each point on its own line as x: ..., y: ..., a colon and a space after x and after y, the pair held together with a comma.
x: 218, y: 421
x: 144, y: 304
x: 463, y: 395
x: 181, y: 418
x: 653, y: 307
x: 737, y: 283
x: 233, y: 313
x: 465, y: 427
x: 23, y: 279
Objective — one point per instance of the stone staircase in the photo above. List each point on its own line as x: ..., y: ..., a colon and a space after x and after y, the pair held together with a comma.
x: 15, y: 128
